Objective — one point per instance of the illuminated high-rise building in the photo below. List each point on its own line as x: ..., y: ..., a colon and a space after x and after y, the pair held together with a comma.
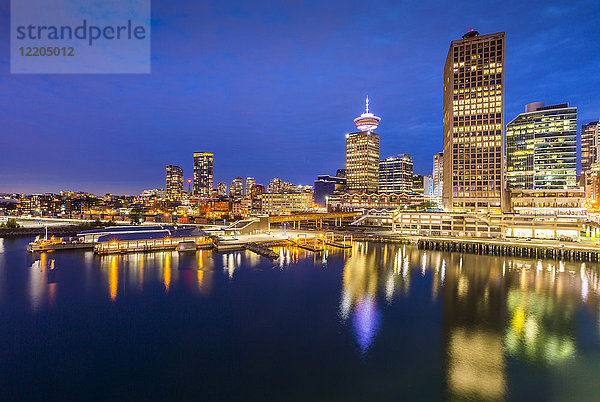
x: 203, y: 174
x: 541, y: 147
x: 438, y: 174
x: 274, y: 186
x: 396, y: 174
x: 473, y: 120
x: 174, y: 187
x: 589, y: 145
x: 250, y: 181
x: 362, y: 154
x: 222, y: 189
x: 237, y: 187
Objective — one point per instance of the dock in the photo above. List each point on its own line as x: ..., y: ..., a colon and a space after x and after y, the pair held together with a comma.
x: 569, y: 252
x: 315, y: 244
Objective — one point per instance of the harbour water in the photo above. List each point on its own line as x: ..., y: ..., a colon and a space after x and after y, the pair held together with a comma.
x: 374, y: 322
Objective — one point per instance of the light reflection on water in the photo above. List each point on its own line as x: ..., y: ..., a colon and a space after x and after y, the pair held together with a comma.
x: 493, y: 311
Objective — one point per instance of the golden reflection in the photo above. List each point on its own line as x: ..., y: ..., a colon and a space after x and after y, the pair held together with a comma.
x: 141, y: 272
x: 200, y: 274
x: 476, y: 369
x: 38, y: 282
x: 113, y: 278
x: 359, y: 295
x: 167, y: 272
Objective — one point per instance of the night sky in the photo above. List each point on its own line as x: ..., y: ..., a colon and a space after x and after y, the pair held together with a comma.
x: 273, y: 87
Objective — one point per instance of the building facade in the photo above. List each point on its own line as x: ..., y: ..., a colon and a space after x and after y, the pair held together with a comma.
x: 473, y: 124
x: 250, y: 181
x: 203, y: 174
x: 174, y: 185
x: 285, y: 203
x: 362, y: 154
x: 237, y: 187
x: 589, y: 145
x: 418, y: 184
x: 396, y: 174
x: 326, y: 186
x: 541, y: 148
x: 428, y: 186
x: 438, y: 174
x: 364, y: 202
x: 274, y: 186
x: 548, y: 202
x: 222, y: 189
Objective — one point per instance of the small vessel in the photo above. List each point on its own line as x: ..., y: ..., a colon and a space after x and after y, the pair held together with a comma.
x: 44, y: 244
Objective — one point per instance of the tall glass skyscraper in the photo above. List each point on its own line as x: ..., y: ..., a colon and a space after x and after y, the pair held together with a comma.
x: 541, y: 147
x: 203, y: 173
x: 174, y: 187
x: 589, y: 144
x: 473, y: 123
x: 438, y: 174
x: 396, y: 174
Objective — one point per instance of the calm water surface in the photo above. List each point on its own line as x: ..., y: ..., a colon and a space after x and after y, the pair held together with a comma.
x: 377, y: 322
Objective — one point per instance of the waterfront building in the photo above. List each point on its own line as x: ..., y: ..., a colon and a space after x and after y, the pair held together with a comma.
x: 237, y: 187
x: 222, y: 189
x: 257, y: 189
x: 351, y: 202
x: 541, y: 147
x: 250, y: 181
x: 548, y: 202
x: 285, y: 203
x: 203, y: 174
x: 174, y: 186
x: 473, y: 120
x: 326, y: 186
x: 493, y: 226
x: 362, y: 154
x: 438, y: 174
x: 428, y: 186
x: 274, y: 186
x: 396, y: 174
x: 340, y: 173
x: 589, y: 145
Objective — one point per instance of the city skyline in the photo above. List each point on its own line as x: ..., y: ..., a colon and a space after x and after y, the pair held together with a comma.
x: 78, y: 132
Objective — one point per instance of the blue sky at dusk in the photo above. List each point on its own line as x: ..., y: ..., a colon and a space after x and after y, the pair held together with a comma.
x: 273, y: 87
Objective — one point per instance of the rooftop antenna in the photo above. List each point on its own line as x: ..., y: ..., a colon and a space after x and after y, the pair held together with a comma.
x: 367, y: 103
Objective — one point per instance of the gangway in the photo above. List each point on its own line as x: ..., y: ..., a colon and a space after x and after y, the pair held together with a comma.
x: 314, y: 244
x: 330, y: 240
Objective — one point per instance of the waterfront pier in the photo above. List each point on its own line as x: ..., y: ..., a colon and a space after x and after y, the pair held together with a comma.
x: 569, y: 252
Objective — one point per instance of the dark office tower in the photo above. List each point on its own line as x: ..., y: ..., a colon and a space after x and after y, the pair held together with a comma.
x: 418, y: 184
x: 541, y: 148
x: 174, y: 187
x: 203, y: 174
x: 396, y: 174
x: 362, y: 154
x: 474, y: 123
x: 589, y: 144
x: 326, y: 186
